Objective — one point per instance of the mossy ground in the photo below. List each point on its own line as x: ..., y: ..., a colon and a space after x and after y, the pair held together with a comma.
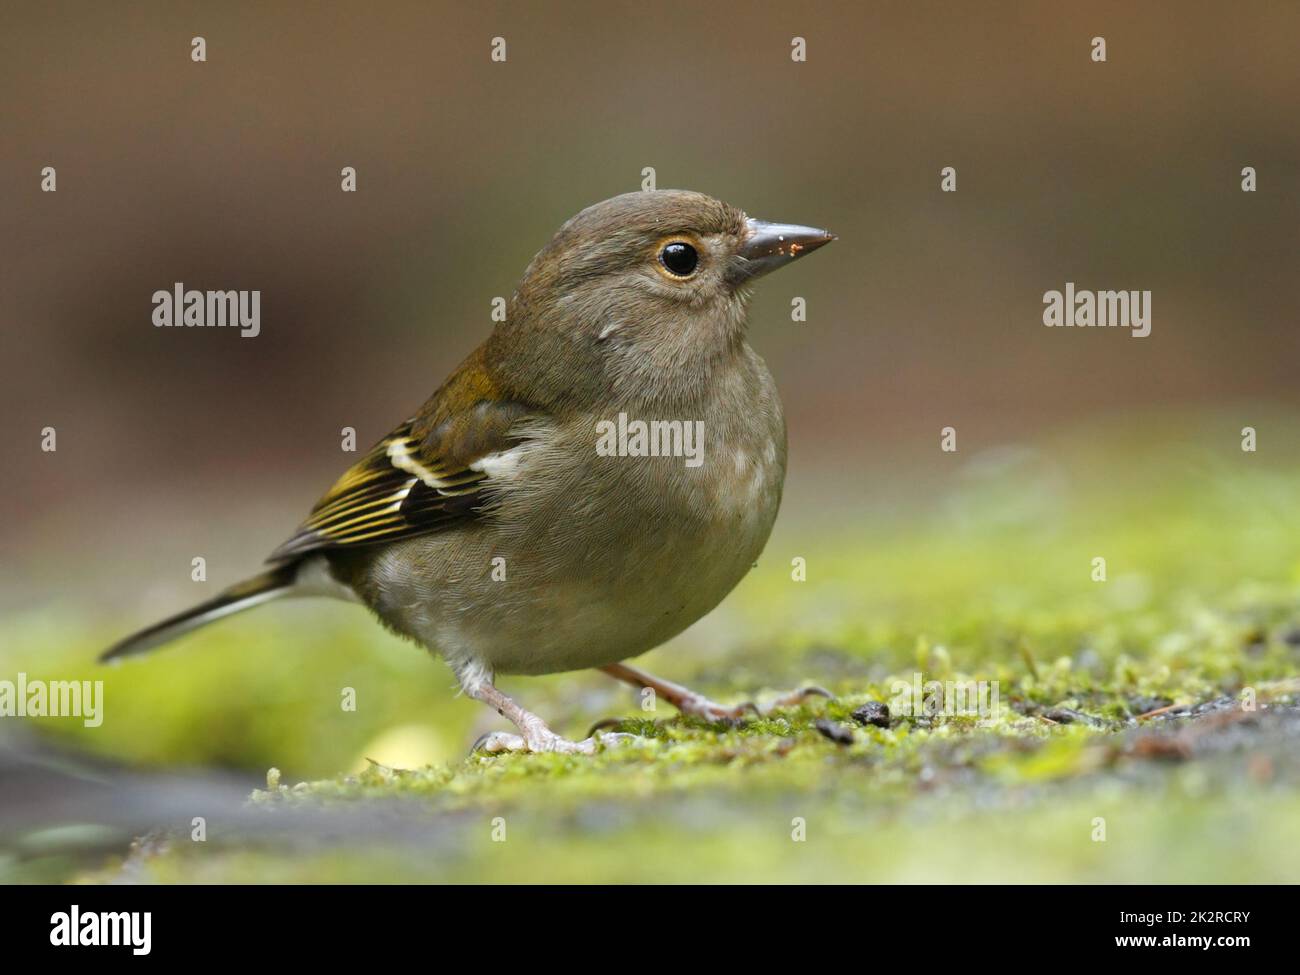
x: 987, y: 577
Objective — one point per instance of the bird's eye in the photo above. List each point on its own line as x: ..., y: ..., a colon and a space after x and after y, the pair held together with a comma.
x: 679, y: 259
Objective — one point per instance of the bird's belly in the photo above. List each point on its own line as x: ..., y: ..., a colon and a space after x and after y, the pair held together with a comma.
x: 620, y: 565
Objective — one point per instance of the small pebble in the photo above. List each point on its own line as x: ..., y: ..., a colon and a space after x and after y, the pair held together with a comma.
x: 836, y: 732
x: 873, y: 712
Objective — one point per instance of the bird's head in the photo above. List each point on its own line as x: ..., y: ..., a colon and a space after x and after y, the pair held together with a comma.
x: 642, y: 289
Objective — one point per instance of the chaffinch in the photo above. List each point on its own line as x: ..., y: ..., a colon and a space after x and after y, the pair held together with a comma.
x: 594, y: 478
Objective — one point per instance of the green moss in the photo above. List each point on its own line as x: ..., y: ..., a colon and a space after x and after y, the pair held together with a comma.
x: 988, y: 581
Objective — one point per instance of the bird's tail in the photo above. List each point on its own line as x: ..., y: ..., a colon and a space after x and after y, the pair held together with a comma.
x: 271, y: 584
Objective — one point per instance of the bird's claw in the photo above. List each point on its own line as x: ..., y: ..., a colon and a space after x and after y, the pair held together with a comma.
x: 701, y: 707
x: 504, y: 741
x: 793, y: 698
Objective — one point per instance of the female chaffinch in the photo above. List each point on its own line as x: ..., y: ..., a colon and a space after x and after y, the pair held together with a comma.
x: 538, y: 514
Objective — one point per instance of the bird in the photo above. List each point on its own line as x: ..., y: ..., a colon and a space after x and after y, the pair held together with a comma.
x: 492, y: 528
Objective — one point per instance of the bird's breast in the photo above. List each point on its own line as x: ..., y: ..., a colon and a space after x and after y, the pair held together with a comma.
x: 613, y: 533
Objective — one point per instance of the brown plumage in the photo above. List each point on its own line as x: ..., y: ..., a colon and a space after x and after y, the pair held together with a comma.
x: 493, y: 529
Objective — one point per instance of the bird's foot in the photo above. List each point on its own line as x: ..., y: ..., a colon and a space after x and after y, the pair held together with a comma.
x: 544, y: 740
x: 688, y: 702
x: 534, y: 735
x: 699, y: 706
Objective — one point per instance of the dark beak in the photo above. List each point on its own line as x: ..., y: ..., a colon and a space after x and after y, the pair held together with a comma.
x: 771, y: 245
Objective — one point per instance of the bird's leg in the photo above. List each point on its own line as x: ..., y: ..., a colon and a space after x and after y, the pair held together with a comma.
x: 534, y: 735
x: 688, y: 702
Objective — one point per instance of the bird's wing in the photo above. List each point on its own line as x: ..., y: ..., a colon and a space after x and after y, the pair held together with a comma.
x: 425, y: 475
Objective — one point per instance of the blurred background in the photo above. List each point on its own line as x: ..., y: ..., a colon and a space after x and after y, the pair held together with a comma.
x: 176, y: 443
